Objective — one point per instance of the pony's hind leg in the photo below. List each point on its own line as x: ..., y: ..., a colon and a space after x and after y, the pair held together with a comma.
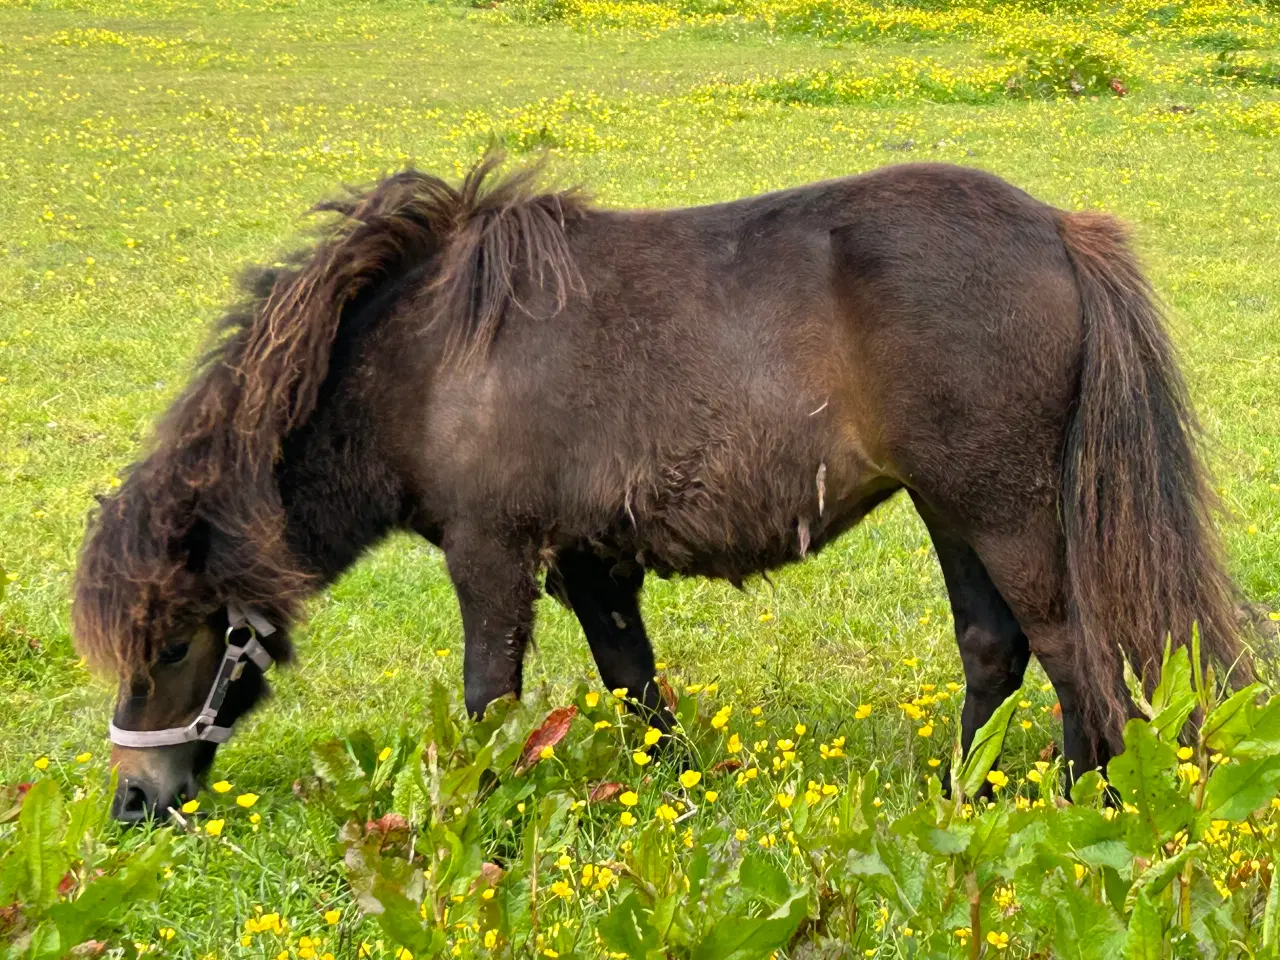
x: 606, y: 600
x: 993, y: 649
x: 496, y: 589
x: 1028, y: 567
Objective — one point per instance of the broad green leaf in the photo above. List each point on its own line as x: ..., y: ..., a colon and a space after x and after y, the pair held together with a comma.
x: 763, y: 878
x: 1235, y: 790
x: 106, y: 899
x: 866, y: 865
x: 1175, y: 677
x: 986, y: 747
x: 1108, y: 853
x: 627, y: 929
x: 400, y: 919
x: 1145, y: 776
x: 946, y: 841
x: 749, y: 938
x: 1264, y: 739
x: 409, y: 794
x: 990, y: 835
x: 1145, y: 938
x: 1084, y: 929
x: 40, y: 828
x: 1173, y: 699
x: 1271, y: 915
x: 1231, y: 721
x: 1152, y: 881
x: 1088, y: 787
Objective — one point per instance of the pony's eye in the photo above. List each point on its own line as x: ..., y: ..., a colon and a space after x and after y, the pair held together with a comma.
x: 174, y: 653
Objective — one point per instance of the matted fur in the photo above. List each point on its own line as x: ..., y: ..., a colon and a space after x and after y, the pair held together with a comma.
x: 210, y: 472
x: 723, y: 390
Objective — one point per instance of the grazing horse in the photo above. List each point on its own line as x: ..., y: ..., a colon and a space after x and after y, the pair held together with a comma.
x: 533, y: 383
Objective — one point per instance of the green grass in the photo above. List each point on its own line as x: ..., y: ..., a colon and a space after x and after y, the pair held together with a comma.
x: 148, y: 151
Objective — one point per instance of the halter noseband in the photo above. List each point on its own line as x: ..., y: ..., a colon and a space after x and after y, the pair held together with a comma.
x: 204, y: 726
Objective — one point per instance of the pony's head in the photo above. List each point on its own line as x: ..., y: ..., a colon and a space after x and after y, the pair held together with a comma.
x: 167, y: 554
x: 198, y: 530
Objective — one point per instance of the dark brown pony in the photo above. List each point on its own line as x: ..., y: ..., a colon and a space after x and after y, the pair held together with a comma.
x: 533, y: 383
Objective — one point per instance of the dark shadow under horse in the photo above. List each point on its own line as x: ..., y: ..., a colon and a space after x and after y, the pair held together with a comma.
x: 534, y: 383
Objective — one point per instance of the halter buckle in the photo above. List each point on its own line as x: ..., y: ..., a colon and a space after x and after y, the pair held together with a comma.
x: 204, y: 726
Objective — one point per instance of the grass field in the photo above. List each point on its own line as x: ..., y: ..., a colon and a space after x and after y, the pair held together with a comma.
x: 148, y: 150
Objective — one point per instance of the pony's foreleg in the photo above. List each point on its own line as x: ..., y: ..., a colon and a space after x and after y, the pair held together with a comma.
x: 496, y: 590
x: 606, y: 601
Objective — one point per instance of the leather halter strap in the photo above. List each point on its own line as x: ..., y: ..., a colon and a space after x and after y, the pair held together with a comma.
x: 204, y: 726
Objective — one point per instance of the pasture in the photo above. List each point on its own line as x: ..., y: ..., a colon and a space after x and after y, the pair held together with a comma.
x: 150, y: 150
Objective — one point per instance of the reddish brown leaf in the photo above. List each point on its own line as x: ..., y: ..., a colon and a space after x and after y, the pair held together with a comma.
x: 1057, y: 711
x: 727, y: 766
x: 1049, y: 752
x: 24, y: 787
x: 668, y: 694
x: 604, y: 791
x: 66, y: 883
x: 490, y: 876
x: 1118, y: 88
x: 9, y: 916
x: 387, y: 823
x: 551, y: 732
x: 90, y: 948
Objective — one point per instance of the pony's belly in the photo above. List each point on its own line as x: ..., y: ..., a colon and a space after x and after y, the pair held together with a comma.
x: 736, y: 537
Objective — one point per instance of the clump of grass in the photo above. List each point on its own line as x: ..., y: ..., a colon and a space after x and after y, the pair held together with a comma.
x: 1060, y: 58
x: 895, y: 79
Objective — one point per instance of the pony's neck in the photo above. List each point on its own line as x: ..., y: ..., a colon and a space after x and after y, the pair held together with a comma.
x: 338, y: 494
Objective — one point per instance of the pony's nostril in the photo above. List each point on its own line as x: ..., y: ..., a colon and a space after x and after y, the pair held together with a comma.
x: 132, y: 804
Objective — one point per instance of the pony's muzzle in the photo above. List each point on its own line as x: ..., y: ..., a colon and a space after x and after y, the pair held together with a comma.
x: 152, y: 781
x: 135, y: 801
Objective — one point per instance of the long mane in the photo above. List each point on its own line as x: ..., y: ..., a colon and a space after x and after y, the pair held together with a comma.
x: 200, y: 520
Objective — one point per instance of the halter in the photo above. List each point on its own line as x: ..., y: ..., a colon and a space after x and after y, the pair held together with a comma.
x: 204, y: 726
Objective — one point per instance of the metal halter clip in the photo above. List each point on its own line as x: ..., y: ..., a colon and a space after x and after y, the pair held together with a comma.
x: 204, y: 726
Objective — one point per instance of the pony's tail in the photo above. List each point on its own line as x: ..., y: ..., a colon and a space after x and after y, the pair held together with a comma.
x: 1143, y: 558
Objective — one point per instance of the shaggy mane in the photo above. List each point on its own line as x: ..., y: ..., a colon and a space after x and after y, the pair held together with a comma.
x: 199, y: 520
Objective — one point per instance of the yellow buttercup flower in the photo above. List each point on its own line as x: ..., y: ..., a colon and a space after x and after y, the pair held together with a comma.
x: 214, y: 828
x: 222, y: 786
x: 247, y: 800
x: 591, y: 699
x: 629, y: 798
x: 640, y: 758
x: 689, y: 779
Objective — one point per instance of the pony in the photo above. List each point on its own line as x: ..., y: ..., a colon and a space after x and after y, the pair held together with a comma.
x: 565, y: 397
